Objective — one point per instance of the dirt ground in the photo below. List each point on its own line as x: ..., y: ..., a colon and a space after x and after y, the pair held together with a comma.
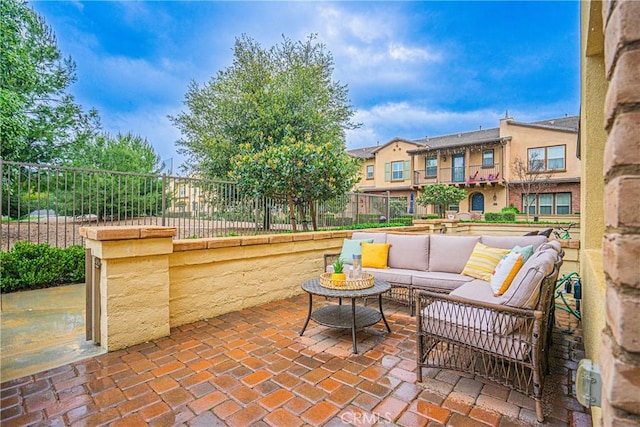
x: 65, y: 231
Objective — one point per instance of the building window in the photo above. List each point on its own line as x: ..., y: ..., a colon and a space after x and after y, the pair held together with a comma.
x: 369, y: 171
x: 531, y: 205
x: 546, y: 158
x: 563, y: 203
x: 487, y: 158
x: 397, y: 170
x: 555, y: 157
x: 431, y: 170
x: 183, y: 191
x: 547, y: 204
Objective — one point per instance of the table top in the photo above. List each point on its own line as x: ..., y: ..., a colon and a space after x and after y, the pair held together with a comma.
x: 314, y: 287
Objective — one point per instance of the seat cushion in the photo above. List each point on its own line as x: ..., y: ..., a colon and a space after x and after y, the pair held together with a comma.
x: 483, y: 261
x: 477, y: 290
x: 438, y: 281
x: 449, y: 254
x: 409, y: 251
x: 391, y: 275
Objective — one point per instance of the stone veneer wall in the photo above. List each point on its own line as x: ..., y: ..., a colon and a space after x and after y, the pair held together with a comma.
x: 620, y: 347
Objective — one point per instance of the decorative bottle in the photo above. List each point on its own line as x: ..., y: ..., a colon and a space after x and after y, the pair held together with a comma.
x: 357, y: 266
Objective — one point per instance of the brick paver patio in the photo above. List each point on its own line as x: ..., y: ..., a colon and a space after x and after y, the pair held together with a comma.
x: 251, y: 368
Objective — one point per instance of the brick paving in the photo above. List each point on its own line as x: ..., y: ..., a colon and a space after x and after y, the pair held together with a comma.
x: 252, y: 368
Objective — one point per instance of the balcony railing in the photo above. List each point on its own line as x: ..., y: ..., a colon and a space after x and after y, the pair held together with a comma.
x: 468, y: 176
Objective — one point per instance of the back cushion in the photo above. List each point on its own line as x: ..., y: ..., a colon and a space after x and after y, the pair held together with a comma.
x: 377, y: 237
x: 409, y: 251
x: 449, y: 254
x: 509, y: 242
x: 525, y: 288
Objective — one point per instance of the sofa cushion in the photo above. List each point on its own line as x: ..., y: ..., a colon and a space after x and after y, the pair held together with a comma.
x: 505, y: 272
x: 477, y: 290
x: 409, y: 251
x: 377, y: 237
x: 351, y: 247
x: 392, y: 275
x: 473, y: 326
x: 449, y: 254
x: 525, y: 288
x: 438, y: 281
x: 483, y: 261
x: 508, y: 242
x: 375, y: 255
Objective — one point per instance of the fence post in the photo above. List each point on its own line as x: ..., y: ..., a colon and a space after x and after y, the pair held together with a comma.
x: 388, y: 206
x: 164, y: 198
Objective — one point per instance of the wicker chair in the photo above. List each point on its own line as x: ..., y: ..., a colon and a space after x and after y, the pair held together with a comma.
x: 500, y: 343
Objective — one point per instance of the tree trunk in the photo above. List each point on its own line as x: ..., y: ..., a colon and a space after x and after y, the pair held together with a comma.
x: 305, y: 226
x: 312, y: 212
x: 292, y: 213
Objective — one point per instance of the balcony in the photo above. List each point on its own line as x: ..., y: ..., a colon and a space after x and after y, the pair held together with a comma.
x: 471, y: 176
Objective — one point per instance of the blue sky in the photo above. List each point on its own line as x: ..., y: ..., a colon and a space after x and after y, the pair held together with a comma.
x: 412, y: 68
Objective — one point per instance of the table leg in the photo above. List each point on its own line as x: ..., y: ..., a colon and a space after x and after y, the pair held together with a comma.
x: 353, y: 325
x: 308, y: 314
x: 382, y: 313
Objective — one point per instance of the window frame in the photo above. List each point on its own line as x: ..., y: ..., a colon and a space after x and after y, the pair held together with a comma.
x: 434, y: 167
x: 493, y: 161
x: 545, y: 160
x: 394, y: 177
x: 369, y: 168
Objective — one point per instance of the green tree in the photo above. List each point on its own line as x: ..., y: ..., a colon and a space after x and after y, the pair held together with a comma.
x: 130, y: 188
x: 301, y: 171
x: 266, y: 97
x: 442, y: 195
x: 39, y: 120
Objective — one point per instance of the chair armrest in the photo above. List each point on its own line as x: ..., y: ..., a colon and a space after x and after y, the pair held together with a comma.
x: 426, y: 297
x: 329, y: 258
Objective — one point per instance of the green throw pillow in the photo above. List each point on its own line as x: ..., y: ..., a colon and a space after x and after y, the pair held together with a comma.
x: 350, y: 247
x: 526, y: 251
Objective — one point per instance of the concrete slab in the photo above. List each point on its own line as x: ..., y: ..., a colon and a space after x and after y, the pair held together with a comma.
x: 43, y: 329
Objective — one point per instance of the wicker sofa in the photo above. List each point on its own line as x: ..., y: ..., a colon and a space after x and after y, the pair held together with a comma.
x: 461, y: 325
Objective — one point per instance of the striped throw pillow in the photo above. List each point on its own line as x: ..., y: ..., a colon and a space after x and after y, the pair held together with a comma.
x: 483, y: 261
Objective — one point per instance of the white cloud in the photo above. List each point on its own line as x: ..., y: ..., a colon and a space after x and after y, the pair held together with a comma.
x: 411, y: 54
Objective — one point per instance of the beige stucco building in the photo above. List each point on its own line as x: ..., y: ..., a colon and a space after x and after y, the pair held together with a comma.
x: 481, y: 163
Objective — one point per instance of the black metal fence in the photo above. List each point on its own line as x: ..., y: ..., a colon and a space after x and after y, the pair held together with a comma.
x: 48, y: 204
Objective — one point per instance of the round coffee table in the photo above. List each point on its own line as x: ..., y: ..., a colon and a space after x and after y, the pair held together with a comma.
x: 343, y: 316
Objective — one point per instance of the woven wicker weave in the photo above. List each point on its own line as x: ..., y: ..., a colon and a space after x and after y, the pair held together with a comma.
x: 366, y: 281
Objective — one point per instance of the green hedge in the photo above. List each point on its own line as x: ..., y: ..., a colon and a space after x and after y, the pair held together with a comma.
x: 404, y: 219
x: 33, y: 266
x: 500, y: 217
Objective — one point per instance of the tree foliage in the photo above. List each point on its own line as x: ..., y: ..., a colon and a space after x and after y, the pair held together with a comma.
x: 125, y: 192
x: 301, y: 171
x: 442, y: 195
x: 39, y: 120
x: 266, y: 97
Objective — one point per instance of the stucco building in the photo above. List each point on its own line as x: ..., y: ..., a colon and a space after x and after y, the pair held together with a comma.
x: 482, y: 162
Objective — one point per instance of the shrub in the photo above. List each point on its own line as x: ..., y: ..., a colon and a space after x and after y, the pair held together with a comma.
x: 511, y: 208
x: 500, y: 217
x: 33, y: 266
x: 404, y: 219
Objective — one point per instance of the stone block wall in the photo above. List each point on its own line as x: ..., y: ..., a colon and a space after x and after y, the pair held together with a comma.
x: 620, y: 345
